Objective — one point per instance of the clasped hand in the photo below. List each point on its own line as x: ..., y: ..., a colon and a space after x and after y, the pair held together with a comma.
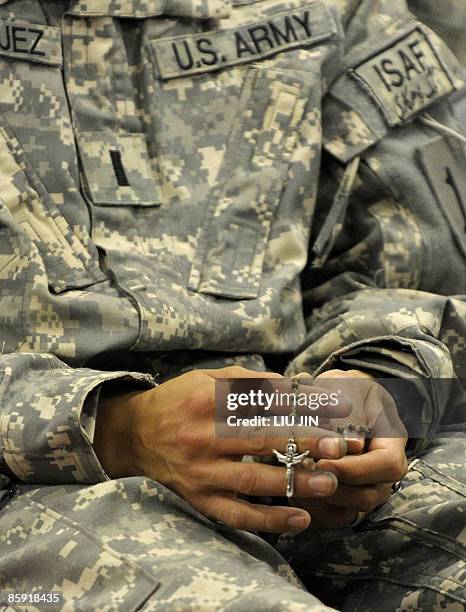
x: 168, y: 434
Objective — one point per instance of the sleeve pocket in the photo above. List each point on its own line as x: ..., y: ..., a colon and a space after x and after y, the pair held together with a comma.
x: 67, y: 262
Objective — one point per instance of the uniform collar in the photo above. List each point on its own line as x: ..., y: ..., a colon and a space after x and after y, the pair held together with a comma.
x: 197, y: 9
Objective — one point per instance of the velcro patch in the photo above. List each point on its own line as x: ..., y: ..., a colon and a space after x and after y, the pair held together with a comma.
x: 32, y: 42
x: 405, y: 77
x: 208, y: 51
x: 444, y: 163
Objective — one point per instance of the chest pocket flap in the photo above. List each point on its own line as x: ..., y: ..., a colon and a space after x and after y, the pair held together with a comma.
x: 266, y: 67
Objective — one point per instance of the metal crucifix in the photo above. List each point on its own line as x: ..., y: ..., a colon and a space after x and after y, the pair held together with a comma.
x: 290, y: 458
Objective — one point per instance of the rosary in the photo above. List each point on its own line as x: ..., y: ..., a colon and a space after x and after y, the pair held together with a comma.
x: 291, y: 457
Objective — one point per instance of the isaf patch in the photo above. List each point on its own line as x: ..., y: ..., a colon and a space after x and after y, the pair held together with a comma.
x: 32, y: 42
x: 208, y: 51
x: 405, y: 77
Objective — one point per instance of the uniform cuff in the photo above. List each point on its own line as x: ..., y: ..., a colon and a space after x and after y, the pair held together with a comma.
x: 47, y: 427
x: 427, y: 365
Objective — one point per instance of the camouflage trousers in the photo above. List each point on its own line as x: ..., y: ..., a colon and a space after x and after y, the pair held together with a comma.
x: 131, y: 544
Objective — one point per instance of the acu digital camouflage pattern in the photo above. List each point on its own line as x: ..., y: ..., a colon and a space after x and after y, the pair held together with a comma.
x: 152, y: 225
x: 447, y: 18
x: 407, y: 555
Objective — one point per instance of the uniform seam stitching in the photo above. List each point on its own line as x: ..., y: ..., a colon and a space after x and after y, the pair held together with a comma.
x: 381, y: 566
x: 443, y: 480
x: 428, y: 532
x: 376, y: 577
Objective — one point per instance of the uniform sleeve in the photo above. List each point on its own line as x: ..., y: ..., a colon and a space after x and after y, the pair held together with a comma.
x: 47, y: 418
x: 47, y: 405
x: 382, y: 290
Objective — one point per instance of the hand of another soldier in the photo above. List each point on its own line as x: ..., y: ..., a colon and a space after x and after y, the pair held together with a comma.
x: 365, y: 476
x: 168, y: 434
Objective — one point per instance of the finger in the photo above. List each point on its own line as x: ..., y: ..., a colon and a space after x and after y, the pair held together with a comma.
x: 359, y: 386
x: 259, y: 479
x: 354, y: 443
x: 325, y: 516
x: 260, y: 441
x: 360, y: 498
x: 384, y: 462
x: 325, y: 403
x: 238, y: 372
x: 345, y: 374
x: 254, y: 517
x: 309, y: 465
x: 393, y: 445
x: 383, y: 413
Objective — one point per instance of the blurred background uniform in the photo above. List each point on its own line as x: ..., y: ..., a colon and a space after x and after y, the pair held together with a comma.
x: 448, y: 19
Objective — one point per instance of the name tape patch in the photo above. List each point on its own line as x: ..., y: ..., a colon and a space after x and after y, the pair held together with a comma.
x: 405, y: 77
x: 208, y: 51
x: 31, y: 42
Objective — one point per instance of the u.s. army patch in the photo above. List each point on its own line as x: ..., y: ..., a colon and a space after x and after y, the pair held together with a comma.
x: 406, y: 76
x: 208, y: 51
x: 31, y: 42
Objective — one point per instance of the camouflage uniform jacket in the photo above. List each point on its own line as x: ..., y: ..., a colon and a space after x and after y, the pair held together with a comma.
x: 187, y: 182
x: 447, y: 18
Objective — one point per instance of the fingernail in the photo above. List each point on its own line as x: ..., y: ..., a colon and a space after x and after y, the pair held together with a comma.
x: 322, y: 484
x: 354, y: 443
x: 352, y: 437
x: 332, y: 448
x: 298, y: 522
